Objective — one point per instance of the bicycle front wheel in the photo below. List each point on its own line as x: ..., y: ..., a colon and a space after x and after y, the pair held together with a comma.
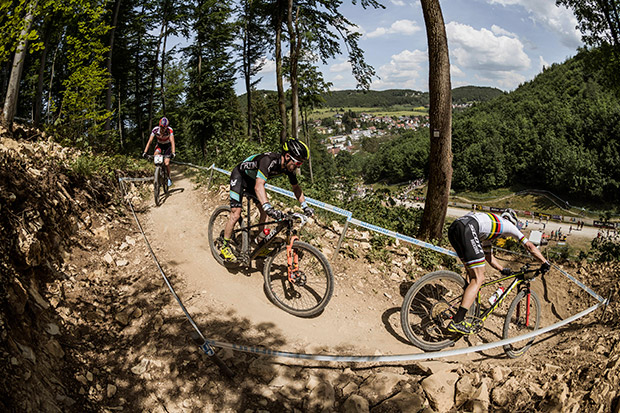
x: 428, y: 308
x: 309, y: 290
x: 157, y: 185
x: 164, y: 179
x: 217, y: 223
x: 523, y: 317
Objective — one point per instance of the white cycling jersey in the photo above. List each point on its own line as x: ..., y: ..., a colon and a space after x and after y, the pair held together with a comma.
x: 492, y: 226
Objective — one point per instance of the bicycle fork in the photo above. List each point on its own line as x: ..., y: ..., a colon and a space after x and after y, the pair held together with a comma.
x: 292, y: 259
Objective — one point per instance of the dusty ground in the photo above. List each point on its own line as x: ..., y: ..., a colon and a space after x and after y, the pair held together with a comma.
x: 87, y: 323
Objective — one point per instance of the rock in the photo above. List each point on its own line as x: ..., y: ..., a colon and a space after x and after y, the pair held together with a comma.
x: 108, y: 258
x: 17, y: 296
x: 502, y: 394
x: 81, y: 379
x: 122, y: 262
x: 52, y: 329
x: 141, y: 367
x: 465, y: 391
x: 355, y: 404
x: 111, y: 390
x: 27, y: 352
x: 262, y: 368
x: 439, y: 388
x: 54, y: 348
x: 130, y: 240
x: 481, y: 402
x: 405, y: 401
x: 158, y: 322
x: 380, y: 386
x: 349, y: 388
x: 89, y: 376
x: 122, y: 317
x: 321, y: 398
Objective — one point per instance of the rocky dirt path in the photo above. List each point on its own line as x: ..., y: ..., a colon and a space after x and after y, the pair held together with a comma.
x: 178, y: 230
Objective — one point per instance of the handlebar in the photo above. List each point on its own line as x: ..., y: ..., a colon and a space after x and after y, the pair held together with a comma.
x: 153, y: 156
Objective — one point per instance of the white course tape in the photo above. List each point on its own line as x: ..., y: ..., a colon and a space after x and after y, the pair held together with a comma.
x: 402, y: 237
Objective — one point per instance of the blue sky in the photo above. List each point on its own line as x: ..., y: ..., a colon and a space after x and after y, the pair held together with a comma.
x: 497, y: 43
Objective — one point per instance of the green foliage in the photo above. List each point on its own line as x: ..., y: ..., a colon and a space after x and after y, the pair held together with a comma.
x: 402, y: 158
x: 558, y: 132
x: 89, y: 165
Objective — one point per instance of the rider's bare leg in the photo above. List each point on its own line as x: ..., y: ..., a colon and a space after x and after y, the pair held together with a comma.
x: 476, y: 279
x: 167, y: 163
x: 235, y: 214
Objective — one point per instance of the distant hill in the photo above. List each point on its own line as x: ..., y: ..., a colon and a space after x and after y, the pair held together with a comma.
x: 396, y: 97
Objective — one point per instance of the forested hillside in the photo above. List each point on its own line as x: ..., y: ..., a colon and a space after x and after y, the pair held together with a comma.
x: 560, y: 131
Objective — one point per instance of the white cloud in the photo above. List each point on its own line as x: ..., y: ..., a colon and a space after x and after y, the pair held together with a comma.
x: 483, y: 50
x: 269, y: 67
x: 340, y: 67
x: 404, y: 27
x: 456, y: 71
x: 542, y: 63
x: 501, y: 79
x: 502, y: 32
x: 405, y: 70
x: 558, y: 19
x: 398, y: 2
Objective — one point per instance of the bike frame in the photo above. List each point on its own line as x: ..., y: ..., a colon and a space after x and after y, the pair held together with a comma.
x: 285, y: 225
x: 518, y: 279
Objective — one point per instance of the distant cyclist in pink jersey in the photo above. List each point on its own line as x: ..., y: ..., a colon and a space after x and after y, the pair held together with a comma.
x: 471, y: 237
x: 165, y: 142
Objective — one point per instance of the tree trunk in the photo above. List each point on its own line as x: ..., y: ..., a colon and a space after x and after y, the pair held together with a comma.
x: 304, y: 116
x: 294, y: 57
x: 38, y: 99
x: 280, y: 84
x: 163, y: 62
x: 153, y: 75
x: 246, y: 74
x: 108, y: 101
x: 10, y: 102
x: 440, y: 93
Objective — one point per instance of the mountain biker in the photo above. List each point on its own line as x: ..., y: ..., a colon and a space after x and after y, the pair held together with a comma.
x: 165, y: 142
x: 250, y: 177
x: 471, y: 237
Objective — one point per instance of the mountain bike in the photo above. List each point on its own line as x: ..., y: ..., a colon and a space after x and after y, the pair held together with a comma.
x: 431, y: 303
x: 297, y: 276
x: 160, y: 178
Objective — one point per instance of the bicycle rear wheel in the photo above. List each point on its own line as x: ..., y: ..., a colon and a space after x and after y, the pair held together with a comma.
x: 157, y: 185
x: 523, y: 317
x: 308, y: 294
x: 217, y: 223
x: 428, y: 308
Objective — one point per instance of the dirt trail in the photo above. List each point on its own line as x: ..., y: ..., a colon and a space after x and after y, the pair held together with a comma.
x: 352, y: 322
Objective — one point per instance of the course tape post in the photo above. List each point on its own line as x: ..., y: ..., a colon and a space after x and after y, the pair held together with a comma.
x: 208, y: 345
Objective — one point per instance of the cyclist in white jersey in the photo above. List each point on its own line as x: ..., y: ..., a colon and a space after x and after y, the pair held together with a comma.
x: 164, y: 136
x: 471, y: 237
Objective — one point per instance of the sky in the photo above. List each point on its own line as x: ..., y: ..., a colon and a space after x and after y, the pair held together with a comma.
x: 496, y: 43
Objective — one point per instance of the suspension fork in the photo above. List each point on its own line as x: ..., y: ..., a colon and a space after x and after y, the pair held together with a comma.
x: 527, y: 305
x: 292, y: 259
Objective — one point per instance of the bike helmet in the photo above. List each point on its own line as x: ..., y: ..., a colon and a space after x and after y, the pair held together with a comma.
x: 296, y: 149
x: 510, y: 215
x: 163, y: 122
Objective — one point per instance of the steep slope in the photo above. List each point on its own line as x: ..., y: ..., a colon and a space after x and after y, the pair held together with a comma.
x: 87, y: 323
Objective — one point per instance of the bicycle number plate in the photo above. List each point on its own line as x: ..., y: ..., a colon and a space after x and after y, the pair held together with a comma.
x: 158, y: 158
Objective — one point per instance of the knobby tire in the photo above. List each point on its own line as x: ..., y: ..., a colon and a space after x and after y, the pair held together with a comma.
x: 429, y: 306
x: 514, y: 325
x: 303, y: 299
x: 156, y: 185
x: 217, y: 223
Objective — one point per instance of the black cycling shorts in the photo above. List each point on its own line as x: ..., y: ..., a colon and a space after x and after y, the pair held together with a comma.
x: 166, y: 148
x: 240, y: 184
x: 463, y: 236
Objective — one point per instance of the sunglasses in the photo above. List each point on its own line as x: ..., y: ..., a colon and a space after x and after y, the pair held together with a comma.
x: 296, y: 162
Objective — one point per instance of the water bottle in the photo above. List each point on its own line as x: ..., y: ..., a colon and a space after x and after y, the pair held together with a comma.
x: 496, y: 295
x: 262, y: 235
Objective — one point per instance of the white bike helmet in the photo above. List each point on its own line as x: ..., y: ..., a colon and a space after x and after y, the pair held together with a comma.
x: 510, y: 215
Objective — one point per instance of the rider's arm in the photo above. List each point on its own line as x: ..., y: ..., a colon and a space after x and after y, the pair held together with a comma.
x: 535, y: 251
x: 172, y: 141
x: 259, y: 188
x: 299, y: 194
x: 149, y: 143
